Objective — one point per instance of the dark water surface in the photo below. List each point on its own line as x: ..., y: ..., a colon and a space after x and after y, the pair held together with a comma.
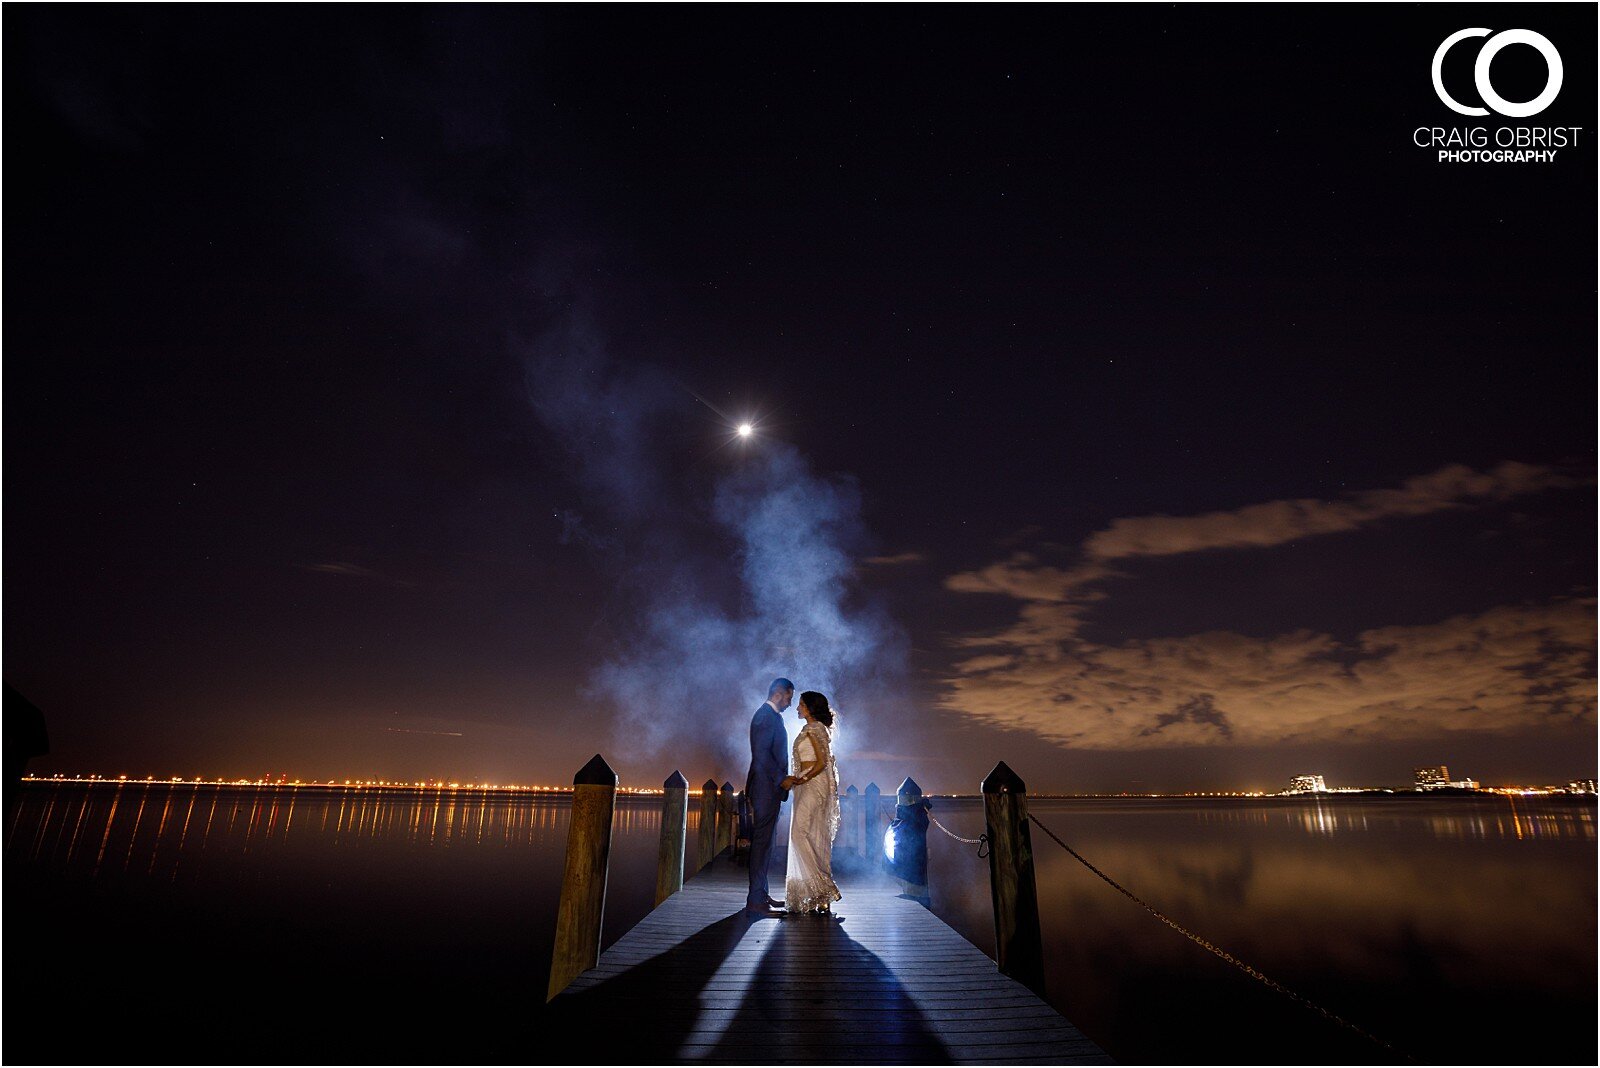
x: 182, y: 923
x: 1461, y: 930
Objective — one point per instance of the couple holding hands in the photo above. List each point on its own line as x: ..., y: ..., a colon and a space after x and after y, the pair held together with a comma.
x: 809, y: 771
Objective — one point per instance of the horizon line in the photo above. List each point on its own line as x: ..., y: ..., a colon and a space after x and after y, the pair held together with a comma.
x: 1579, y: 787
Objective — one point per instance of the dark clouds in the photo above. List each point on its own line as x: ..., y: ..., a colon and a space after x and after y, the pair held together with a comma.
x: 1276, y: 522
x: 1503, y: 670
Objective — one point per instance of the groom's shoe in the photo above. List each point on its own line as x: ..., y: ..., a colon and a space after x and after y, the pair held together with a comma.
x: 757, y: 912
x: 775, y: 903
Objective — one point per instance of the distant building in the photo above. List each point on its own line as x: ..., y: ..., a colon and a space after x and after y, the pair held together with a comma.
x: 1307, y: 784
x: 1438, y: 778
x: 1432, y: 778
x: 1581, y: 786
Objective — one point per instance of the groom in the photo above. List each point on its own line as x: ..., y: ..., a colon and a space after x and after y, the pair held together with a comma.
x: 769, y: 763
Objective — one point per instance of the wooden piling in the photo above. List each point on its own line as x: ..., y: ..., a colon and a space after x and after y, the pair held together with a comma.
x: 871, y: 833
x: 850, y: 821
x: 910, y: 861
x: 1019, y: 949
x: 674, y: 821
x: 725, y: 819
x: 583, y: 882
x: 708, y: 823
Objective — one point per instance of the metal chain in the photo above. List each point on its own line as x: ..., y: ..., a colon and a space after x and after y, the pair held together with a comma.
x: 982, y: 841
x: 964, y: 841
x: 1218, y: 950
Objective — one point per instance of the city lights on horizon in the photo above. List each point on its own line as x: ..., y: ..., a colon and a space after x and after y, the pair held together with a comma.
x: 1300, y: 786
x: 1432, y: 779
x: 283, y: 782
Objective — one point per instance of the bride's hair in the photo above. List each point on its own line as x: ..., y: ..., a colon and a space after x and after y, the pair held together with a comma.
x: 817, y: 705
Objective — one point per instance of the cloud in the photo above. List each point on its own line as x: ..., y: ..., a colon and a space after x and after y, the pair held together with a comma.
x: 1201, y: 709
x: 1276, y: 522
x: 1513, y: 667
x: 897, y: 560
x: 1509, y: 668
x: 1025, y: 578
x: 1055, y: 600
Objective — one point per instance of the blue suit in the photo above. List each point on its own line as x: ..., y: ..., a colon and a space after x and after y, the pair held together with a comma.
x: 769, y: 764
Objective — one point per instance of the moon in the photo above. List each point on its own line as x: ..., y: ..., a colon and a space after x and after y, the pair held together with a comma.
x: 745, y: 430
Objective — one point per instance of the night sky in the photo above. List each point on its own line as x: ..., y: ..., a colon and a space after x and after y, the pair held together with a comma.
x: 1134, y: 401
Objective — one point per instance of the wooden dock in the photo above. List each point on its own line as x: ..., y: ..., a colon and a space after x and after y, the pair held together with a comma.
x: 885, y: 982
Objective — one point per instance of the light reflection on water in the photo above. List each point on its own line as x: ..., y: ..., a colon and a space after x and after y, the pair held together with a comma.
x: 327, y: 895
x: 1502, y: 816
x: 1406, y: 915
x: 173, y: 827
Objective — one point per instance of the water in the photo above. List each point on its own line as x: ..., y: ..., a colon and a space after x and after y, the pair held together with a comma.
x: 1461, y: 930
x: 199, y: 924
x: 184, y: 923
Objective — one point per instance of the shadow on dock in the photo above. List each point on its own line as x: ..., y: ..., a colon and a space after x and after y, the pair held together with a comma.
x: 885, y: 983
x: 752, y: 991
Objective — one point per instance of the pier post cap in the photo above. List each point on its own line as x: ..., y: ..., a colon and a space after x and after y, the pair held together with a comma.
x: 727, y: 787
x: 595, y: 773
x: 1002, y: 780
x: 710, y: 786
x: 909, y: 788
x: 675, y: 781
x: 852, y: 791
x: 872, y: 788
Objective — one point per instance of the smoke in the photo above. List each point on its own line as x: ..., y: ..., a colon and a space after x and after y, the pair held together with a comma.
x: 729, y: 565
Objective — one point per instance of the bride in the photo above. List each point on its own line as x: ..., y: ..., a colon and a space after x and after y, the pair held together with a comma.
x: 815, y: 818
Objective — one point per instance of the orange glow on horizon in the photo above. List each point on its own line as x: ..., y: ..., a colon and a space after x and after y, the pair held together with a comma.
x: 282, y: 783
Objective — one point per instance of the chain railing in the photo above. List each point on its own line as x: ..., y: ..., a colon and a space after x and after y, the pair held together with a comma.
x: 982, y: 842
x: 1212, y: 947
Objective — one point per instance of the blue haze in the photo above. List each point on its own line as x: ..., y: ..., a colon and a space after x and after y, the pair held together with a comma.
x: 731, y: 561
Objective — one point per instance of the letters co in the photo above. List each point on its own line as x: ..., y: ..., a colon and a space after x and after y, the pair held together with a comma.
x: 1480, y: 72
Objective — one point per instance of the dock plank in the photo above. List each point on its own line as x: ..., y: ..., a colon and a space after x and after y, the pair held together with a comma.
x: 887, y: 982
